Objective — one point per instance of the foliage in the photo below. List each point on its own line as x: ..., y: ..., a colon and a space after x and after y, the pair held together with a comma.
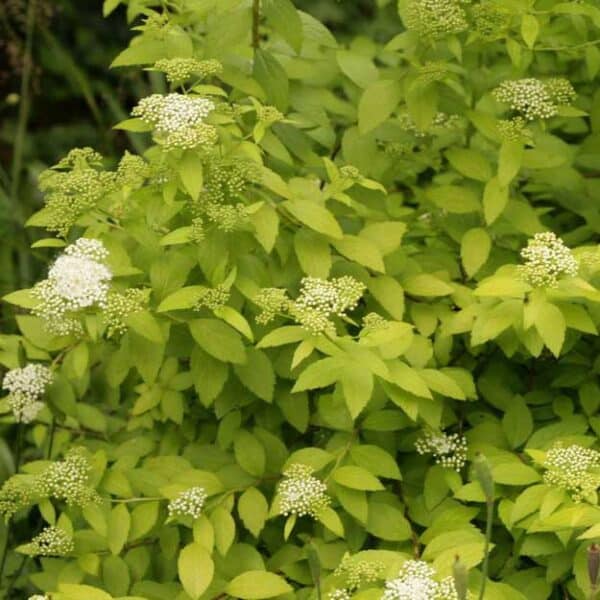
x: 335, y: 328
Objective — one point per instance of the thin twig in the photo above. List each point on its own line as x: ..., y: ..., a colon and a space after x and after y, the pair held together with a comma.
x: 255, y: 24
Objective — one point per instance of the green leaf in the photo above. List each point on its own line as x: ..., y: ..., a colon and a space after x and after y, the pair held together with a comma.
x: 517, y: 422
x: 22, y: 298
x: 195, y: 569
x: 253, y: 510
x: 272, y: 78
x: 145, y: 325
x: 356, y: 478
x: 475, y: 249
x: 315, y: 216
x: 377, y: 103
x: 470, y: 163
x: 495, y: 199
x: 254, y: 585
x: 285, y: 20
x: 119, y: 522
x: 182, y: 235
x: 388, y: 522
x: 249, y: 453
x: 71, y: 591
x: 514, y: 473
x: 422, y: 103
x: 509, y: 162
x: 313, y: 253
x: 184, y: 298
x: 357, y: 67
x: 190, y: 172
x: 357, y: 384
x: 427, y: 285
x: 360, y: 250
x: 319, y: 374
x: 551, y: 326
x: 235, y: 319
x: 219, y: 340
x: 454, y: 198
x: 257, y: 374
x: 331, y: 520
x: 224, y: 527
x: 376, y: 460
x: 530, y: 29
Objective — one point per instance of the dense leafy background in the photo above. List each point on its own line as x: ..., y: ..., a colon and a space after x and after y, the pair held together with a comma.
x: 392, y: 163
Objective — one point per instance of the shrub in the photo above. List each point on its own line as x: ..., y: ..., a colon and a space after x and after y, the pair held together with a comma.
x: 334, y: 333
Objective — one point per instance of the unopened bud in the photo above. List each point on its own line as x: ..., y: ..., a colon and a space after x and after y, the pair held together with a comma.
x: 484, y: 476
x: 593, y: 563
x: 461, y: 578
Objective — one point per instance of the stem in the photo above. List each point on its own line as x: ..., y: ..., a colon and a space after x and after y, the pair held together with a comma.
x: 17, y: 163
x: 486, y: 548
x: 255, y: 23
x: 51, y: 438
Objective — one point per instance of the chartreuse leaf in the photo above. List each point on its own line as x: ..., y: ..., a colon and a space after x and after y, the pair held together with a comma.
x: 315, y: 217
x: 272, y: 78
x: 257, y: 374
x: 254, y: 585
x: 219, y: 340
x: 190, y: 172
x: 253, y: 510
x: 195, y: 569
x: 71, y: 591
x: 356, y: 478
x: 470, y: 163
x: 475, y: 249
x: 284, y: 18
x: 119, y: 522
x: 377, y: 103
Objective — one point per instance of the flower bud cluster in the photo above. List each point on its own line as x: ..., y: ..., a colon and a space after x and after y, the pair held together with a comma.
x: 213, y: 298
x: 79, y: 279
x: 448, y: 450
x: 491, y: 20
x: 228, y: 179
x: 178, y: 119
x: 358, y: 572
x: 302, y: 494
x: 515, y: 130
x: 573, y: 468
x: 441, y: 122
x: 226, y: 217
x: 197, y: 233
x: 70, y: 193
x: 268, y: 115
x: 188, y: 503
x: 67, y: 480
x: 534, y: 98
x: 435, y: 19
x: 181, y: 69
x: 132, y: 171
x: 339, y: 594
x: 416, y: 581
x: 272, y: 301
x: 120, y: 306
x: 16, y: 493
x: 52, y: 541
x: 25, y: 387
x: 374, y: 322
x: 547, y: 259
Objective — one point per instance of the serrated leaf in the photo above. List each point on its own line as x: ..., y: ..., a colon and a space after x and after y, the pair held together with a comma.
x: 195, y: 569
x: 219, y: 340
x: 257, y: 374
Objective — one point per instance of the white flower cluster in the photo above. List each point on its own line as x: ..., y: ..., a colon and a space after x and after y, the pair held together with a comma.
x: 188, y: 503
x: 178, y: 119
x: 38, y: 597
x: 77, y: 280
x: 26, y: 386
x: 574, y: 468
x: 449, y: 450
x: 320, y: 299
x: 68, y: 480
x: 301, y: 493
x: 52, y: 541
x: 416, y: 581
x: 534, y: 98
x: 339, y: 594
x: 435, y: 18
x: 546, y: 260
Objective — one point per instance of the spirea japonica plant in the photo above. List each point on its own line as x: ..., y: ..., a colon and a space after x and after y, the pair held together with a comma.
x: 333, y: 334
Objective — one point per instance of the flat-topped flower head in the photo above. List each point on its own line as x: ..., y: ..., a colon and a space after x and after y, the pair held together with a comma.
x: 301, y: 493
x: 417, y: 581
x: 321, y: 299
x: 435, y: 18
x: 78, y: 280
x: 26, y: 386
x: 188, y: 503
x: 534, y: 98
x: 68, y: 480
x: 448, y: 450
x: 177, y: 119
x: 51, y: 541
x: 547, y: 259
x: 573, y: 468
x: 272, y: 301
